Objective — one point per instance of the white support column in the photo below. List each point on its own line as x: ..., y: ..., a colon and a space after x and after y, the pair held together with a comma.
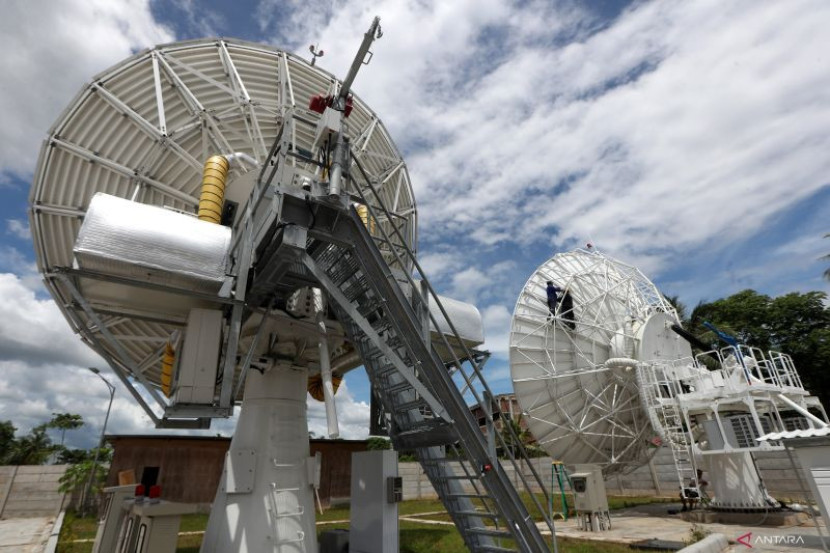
x: 325, y: 366
x: 265, y: 501
x: 735, y: 482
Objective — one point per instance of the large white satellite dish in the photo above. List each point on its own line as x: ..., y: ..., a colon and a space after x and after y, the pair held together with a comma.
x: 610, y: 373
x: 578, y: 408
x: 142, y: 131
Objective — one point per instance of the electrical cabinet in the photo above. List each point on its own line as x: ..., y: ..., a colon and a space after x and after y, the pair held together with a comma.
x: 113, y: 519
x: 589, y: 489
x: 590, y: 500
x: 374, y: 521
x: 152, y: 527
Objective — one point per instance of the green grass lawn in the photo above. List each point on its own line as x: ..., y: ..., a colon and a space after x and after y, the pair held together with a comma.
x: 414, y: 537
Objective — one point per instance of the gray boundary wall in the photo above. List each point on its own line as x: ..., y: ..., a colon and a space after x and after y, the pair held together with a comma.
x: 657, y: 478
x: 30, y: 491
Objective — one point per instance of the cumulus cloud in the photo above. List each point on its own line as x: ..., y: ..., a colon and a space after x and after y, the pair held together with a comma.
x: 18, y: 228
x: 54, y: 47
x: 31, y: 391
x: 497, y: 328
x: 34, y: 330
x: 535, y: 125
x: 17, y: 265
x: 197, y: 20
x: 352, y: 416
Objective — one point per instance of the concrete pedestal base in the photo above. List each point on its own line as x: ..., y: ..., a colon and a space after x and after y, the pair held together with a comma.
x: 781, y: 519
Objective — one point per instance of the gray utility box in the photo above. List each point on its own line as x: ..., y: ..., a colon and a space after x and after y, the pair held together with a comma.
x: 590, y: 501
x: 589, y: 489
x: 375, y: 492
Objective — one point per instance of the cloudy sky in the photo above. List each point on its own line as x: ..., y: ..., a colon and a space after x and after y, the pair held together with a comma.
x: 688, y: 138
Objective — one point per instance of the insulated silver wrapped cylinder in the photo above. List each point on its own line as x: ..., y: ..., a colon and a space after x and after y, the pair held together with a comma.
x: 465, y: 318
x: 143, y: 242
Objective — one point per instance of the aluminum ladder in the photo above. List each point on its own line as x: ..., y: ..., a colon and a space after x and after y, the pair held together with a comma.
x: 661, y: 394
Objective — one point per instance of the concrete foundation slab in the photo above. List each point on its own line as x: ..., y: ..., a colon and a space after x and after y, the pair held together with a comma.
x: 776, y: 519
x: 653, y: 521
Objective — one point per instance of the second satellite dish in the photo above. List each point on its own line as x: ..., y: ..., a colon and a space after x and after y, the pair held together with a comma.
x: 581, y: 398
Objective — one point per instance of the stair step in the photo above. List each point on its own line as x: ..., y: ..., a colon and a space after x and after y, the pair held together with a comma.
x: 431, y: 434
x: 470, y: 496
x: 438, y: 461
x: 410, y: 405
x: 480, y: 514
x: 399, y: 387
x: 493, y: 532
x: 495, y: 549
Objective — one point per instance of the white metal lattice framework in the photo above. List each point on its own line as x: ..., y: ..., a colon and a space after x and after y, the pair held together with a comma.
x: 142, y: 130
x: 579, y: 407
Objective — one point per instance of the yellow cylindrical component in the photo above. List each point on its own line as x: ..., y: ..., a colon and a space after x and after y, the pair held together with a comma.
x: 368, y: 222
x: 167, y: 361
x: 213, y: 189
x: 315, y: 385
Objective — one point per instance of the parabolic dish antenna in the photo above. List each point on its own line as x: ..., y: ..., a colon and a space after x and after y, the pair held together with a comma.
x: 580, y: 407
x: 142, y: 131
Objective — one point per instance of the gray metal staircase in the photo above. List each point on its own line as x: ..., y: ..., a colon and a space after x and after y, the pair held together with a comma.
x: 430, y: 415
x: 295, y: 232
x: 297, y: 237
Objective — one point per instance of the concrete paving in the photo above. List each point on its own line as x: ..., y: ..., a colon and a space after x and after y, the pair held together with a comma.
x: 25, y: 535
x: 653, y: 521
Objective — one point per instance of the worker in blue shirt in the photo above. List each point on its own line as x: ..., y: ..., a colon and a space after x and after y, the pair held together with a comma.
x: 552, y: 291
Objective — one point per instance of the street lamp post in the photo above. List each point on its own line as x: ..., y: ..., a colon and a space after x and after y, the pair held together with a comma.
x: 85, y: 499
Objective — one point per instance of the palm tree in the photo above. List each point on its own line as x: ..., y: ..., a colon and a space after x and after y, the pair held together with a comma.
x: 65, y: 421
x: 33, y: 449
x: 680, y: 307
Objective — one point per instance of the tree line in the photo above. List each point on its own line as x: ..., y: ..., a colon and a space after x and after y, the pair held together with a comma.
x: 37, y: 447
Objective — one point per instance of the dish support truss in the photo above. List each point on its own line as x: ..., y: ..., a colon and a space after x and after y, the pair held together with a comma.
x: 704, y: 413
